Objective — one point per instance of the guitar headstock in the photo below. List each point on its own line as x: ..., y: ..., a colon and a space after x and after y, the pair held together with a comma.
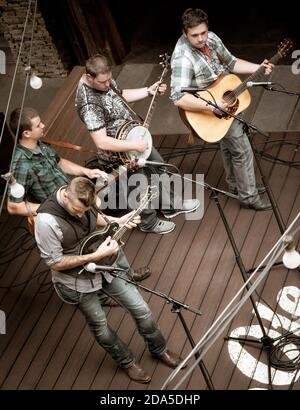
x: 285, y: 46
x: 165, y: 60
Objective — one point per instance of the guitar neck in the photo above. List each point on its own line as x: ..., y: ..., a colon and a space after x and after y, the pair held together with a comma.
x: 258, y: 75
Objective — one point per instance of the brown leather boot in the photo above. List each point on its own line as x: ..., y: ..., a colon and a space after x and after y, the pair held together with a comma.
x: 171, y: 359
x: 136, y: 373
x: 142, y: 273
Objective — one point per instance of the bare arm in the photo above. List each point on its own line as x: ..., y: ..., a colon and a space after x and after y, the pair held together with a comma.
x: 71, y: 168
x: 20, y: 208
x: 103, y: 141
x: 191, y: 103
x: 245, y: 67
x: 107, y: 248
x: 137, y: 94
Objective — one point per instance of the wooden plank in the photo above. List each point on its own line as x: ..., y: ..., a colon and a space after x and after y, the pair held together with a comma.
x: 275, y: 110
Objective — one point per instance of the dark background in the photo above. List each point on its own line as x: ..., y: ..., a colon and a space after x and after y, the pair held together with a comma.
x: 146, y: 25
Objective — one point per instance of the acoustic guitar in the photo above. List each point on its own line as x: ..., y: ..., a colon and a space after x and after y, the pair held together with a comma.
x: 212, y: 127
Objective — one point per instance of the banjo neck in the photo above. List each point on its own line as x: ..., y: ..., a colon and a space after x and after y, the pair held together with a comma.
x: 165, y: 64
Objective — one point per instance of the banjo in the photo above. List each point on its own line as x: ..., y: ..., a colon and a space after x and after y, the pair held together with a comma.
x: 92, y: 241
x: 133, y: 130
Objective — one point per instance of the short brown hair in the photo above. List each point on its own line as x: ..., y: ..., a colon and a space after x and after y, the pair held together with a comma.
x: 192, y: 18
x: 97, y: 64
x: 24, y: 117
x: 82, y: 189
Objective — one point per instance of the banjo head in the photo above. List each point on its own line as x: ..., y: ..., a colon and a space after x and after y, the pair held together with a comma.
x: 133, y: 131
x: 136, y: 133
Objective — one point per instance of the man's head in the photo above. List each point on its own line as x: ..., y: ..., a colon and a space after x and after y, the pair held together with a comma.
x: 98, y: 72
x: 194, y: 23
x: 79, y: 196
x: 31, y: 125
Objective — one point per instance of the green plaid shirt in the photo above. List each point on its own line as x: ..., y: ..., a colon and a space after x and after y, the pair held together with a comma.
x: 38, y: 172
x: 191, y: 68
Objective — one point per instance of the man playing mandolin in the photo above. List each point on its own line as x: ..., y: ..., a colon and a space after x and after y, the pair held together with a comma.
x: 102, y: 106
x: 63, y: 223
x: 199, y: 60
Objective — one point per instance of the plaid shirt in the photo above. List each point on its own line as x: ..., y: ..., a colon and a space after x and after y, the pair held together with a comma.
x: 38, y: 172
x: 192, y: 68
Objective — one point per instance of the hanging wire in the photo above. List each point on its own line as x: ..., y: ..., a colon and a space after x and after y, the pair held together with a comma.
x: 226, y: 316
x: 15, y: 72
x: 23, y: 96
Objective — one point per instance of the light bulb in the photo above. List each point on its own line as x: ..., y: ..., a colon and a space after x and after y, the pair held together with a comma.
x: 35, y: 82
x: 17, y: 190
x: 291, y: 258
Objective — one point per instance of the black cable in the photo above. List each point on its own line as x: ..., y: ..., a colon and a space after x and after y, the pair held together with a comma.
x: 37, y: 275
x: 278, y: 353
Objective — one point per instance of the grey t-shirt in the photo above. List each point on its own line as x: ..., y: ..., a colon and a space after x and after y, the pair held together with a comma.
x: 49, y: 238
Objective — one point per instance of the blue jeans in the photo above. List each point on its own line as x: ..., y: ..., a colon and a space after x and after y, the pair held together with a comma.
x: 129, y: 297
x: 238, y: 163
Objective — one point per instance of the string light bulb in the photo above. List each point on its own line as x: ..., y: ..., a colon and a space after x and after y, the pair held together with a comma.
x: 291, y: 258
x: 35, y: 81
x: 16, y: 190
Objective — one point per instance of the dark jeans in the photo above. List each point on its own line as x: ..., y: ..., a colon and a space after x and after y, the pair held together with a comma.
x: 151, y: 175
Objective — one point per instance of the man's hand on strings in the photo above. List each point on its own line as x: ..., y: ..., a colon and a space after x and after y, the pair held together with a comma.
x: 162, y: 88
x: 267, y: 66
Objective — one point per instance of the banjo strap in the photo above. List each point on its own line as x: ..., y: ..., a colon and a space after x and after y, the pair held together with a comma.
x: 125, y: 102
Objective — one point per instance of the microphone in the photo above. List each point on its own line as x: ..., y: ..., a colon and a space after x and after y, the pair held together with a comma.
x: 93, y: 268
x: 141, y: 162
x: 191, y: 89
x: 262, y: 83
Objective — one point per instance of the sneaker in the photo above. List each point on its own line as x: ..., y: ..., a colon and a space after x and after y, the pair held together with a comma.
x: 259, y: 205
x: 161, y: 227
x: 189, y: 205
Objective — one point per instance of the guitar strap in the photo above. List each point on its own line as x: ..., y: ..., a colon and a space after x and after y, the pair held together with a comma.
x: 126, y: 103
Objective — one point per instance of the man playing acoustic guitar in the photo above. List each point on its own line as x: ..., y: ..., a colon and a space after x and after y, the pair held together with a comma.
x: 199, y: 60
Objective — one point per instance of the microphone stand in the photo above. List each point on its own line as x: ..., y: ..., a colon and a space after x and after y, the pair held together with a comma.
x: 281, y: 90
x: 176, y: 308
x: 265, y: 342
x: 247, y: 128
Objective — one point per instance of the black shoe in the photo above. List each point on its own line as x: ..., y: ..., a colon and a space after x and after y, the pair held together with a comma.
x: 261, y: 189
x: 141, y: 273
x: 110, y: 302
x: 259, y: 205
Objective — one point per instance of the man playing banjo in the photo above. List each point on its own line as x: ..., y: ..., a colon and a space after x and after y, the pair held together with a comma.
x: 102, y: 106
